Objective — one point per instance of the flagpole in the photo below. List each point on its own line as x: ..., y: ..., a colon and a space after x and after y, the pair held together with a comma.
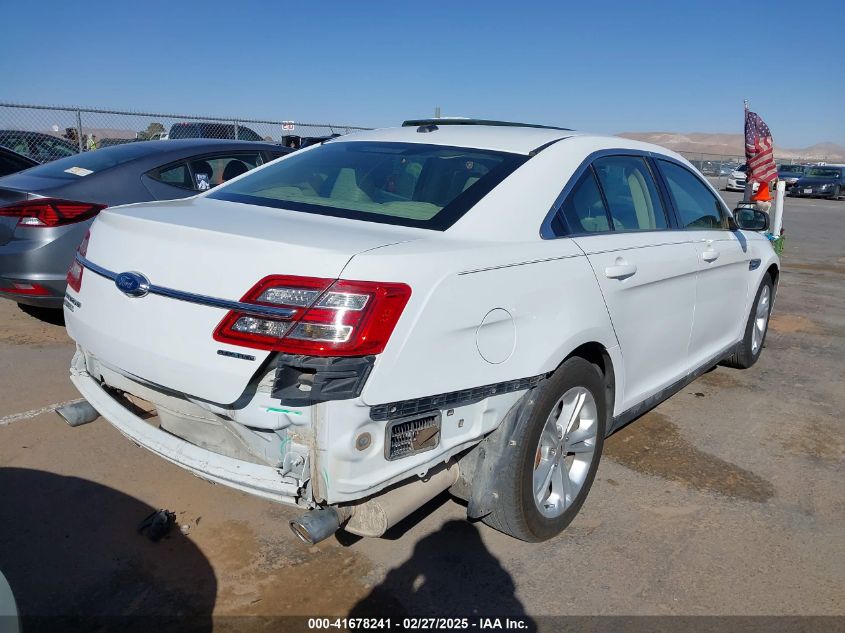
x: 749, y: 187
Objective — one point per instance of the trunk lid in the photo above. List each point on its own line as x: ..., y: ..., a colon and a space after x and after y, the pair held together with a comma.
x: 208, y: 247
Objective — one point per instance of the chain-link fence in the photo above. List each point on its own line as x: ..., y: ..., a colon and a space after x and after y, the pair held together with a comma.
x: 45, y: 133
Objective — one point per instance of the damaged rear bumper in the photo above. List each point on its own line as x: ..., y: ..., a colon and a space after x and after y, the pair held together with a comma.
x: 257, y: 479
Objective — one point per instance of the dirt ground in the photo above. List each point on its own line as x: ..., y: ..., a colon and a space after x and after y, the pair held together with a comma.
x: 727, y: 499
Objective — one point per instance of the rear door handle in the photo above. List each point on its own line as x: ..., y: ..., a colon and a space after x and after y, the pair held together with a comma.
x: 621, y: 270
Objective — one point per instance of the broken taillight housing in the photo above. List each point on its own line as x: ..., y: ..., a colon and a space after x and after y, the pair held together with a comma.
x: 50, y: 212
x: 74, y: 274
x: 332, y: 317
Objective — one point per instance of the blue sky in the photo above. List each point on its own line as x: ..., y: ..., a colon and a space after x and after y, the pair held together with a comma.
x: 607, y: 66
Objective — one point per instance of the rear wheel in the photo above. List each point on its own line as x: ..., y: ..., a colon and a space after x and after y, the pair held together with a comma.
x: 755, y: 328
x: 552, y: 467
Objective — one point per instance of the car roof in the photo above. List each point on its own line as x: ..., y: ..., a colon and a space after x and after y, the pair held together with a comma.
x: 514, y: 138
x: 511, y: 137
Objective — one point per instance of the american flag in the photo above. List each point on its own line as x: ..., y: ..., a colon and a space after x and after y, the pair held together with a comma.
x: 759, y: 149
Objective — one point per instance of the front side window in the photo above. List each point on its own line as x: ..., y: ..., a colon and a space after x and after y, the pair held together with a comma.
x: 631, y: 193
x: 696, y: 205
x: 409, y: 184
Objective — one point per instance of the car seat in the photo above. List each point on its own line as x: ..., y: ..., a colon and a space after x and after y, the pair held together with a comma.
x: 202, y: 167
x: 234, y: 169
x: 346, y: 187
x: 643, y: 206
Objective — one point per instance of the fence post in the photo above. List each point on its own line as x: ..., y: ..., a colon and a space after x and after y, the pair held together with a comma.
x: 79, y: 130
x: 236, y: 130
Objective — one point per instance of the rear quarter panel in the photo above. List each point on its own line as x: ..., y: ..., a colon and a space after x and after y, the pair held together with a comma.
x: 546, y: 299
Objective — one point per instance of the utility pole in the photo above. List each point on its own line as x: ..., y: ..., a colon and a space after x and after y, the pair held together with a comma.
x: 437, y: 112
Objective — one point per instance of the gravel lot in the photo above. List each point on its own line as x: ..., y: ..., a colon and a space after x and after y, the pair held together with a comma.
x: 727, y: 499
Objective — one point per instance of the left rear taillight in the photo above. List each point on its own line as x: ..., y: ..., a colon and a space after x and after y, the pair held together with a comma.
x: 50, y: 212
x: 331, y: 318
x: 74, y: 274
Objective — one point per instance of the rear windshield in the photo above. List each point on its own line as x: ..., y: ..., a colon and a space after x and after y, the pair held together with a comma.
x: 823, y: 172
x: 409, y: 184
x: 88, y: 163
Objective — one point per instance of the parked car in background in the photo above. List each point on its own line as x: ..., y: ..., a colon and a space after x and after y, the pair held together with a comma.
x: 820, y: 181
x: 365, y: 324
x: 12, y: 162
x: 45, y: 211
x: 204, y: 129
x: 790, y: 174
x: 737, y: 180
x: 38, y: 146
x: 111, y: 142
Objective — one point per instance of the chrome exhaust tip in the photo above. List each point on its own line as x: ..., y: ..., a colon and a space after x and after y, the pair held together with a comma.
x: 78, y: 413
x: 318, y: 525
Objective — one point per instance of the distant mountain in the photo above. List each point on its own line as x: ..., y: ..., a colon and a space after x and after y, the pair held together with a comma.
x: 734, y: 145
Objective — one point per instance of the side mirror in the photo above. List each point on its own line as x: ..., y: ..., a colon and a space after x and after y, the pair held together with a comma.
x: 750, y: 218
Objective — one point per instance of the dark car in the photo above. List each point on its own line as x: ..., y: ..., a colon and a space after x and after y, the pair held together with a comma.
x: 821, y: 181
x: 790, y: 174
x: 12, y: 162
x: 203, y: 129
x: 38, y: 146
x: 45, y: 211
x: 111, y: 142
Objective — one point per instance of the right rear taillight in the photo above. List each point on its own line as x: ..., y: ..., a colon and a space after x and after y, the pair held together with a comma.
x: 74, y: 274
x: 330, y: 317
x: 50, y: 212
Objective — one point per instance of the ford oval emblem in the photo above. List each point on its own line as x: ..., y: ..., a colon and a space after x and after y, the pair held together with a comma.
x: 132, y: 284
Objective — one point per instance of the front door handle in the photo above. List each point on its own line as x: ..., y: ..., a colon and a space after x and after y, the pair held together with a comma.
x: 710, y: 255
x: 622, y: 270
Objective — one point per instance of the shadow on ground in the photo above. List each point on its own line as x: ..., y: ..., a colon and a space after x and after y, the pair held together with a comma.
x: 71, y: 553
x: 449, y: 574
x: 46, y: 315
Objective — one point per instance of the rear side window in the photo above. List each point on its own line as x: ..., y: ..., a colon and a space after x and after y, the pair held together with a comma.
x: 215, y: 170
x: 696, y: 205
x: 408, y: 184
x: 204, y: 172
x: 176, y: 175
x: 631, y: 193
x: 584, y: 209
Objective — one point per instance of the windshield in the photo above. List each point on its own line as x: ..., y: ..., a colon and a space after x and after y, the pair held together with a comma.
x: 87, y: 163
x: 823, y: 172
x: 409, y: 184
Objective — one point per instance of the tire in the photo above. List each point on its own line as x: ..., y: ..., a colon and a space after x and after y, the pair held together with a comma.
x: 577, y: 384
x: 755, y: 330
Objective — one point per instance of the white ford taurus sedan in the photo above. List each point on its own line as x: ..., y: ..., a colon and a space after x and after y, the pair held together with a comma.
x: 450, y: 305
